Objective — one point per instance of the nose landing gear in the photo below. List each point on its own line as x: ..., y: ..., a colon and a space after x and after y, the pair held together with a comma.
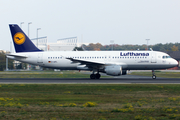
x: 153, y: 75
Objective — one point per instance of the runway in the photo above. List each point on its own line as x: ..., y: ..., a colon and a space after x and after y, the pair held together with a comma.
x: 128, y: 79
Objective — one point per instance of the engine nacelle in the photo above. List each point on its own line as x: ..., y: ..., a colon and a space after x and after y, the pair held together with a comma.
x: 114, y: 70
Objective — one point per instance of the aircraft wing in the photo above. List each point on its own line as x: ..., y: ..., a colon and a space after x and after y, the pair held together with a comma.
x: 14, y: 55
x: 88, y: 63
x: 96, y: 64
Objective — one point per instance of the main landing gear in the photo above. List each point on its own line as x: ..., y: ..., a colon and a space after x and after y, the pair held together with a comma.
x: 95, y: 76
x: 153, y: 75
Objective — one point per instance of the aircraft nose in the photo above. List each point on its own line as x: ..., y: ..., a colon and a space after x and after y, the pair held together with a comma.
x: 175, y: 62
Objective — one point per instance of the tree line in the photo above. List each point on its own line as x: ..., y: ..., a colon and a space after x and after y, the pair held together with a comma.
x: 3, y: 62
x: 156, y: 47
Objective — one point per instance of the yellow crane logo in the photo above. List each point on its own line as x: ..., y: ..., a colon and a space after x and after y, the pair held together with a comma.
x: 19, y: 38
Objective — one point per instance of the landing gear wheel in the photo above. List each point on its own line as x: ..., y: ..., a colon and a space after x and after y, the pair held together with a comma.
x: 154, y: 77
x: 92, y: 76
x: 98, y: 76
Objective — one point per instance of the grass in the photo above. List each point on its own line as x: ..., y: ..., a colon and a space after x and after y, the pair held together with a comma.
x: 89, y: 101
x: 42, y: 74
x: 159, y: 74
x: 76, y: 74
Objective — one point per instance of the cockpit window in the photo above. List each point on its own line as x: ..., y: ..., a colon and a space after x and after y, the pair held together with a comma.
x: 166, y: 57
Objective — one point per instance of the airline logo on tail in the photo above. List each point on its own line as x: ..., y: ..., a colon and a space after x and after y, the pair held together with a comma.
x: 19, y: 38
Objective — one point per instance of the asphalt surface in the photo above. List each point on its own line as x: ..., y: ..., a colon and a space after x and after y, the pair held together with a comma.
x: 126, y: 79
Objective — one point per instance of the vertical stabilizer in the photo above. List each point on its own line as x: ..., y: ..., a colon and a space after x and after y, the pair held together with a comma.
x: 21, y: 42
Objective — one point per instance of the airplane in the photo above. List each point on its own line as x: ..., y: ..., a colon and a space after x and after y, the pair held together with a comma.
x: 114, y: 63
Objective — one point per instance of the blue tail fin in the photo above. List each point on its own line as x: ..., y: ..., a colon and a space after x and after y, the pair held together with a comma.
x: 21, y: 42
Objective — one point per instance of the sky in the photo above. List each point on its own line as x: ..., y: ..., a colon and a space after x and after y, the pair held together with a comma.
x: 93, y: 21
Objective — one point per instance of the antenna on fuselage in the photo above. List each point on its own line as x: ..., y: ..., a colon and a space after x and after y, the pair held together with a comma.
x: 151, y: 49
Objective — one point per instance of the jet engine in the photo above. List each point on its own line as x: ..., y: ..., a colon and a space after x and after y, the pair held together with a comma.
x: 114, y: 70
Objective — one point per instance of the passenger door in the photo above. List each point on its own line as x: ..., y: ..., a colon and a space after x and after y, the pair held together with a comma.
x: 153, y: 57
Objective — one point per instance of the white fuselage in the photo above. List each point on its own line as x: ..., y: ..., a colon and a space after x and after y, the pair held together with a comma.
x: 129, y: 60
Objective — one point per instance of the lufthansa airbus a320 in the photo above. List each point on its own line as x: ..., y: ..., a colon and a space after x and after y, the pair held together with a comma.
x: 114, y: 63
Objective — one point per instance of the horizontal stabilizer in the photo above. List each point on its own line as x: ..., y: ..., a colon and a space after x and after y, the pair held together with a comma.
x: 13, y: 55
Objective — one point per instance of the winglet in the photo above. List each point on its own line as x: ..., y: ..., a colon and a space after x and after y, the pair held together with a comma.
x: 21, y: 42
